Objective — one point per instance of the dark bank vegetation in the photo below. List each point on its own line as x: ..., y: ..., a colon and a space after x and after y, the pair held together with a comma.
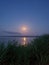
x: 35, y: 53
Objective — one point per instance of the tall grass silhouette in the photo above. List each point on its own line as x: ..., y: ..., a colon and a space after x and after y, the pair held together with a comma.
x: 35, y: 53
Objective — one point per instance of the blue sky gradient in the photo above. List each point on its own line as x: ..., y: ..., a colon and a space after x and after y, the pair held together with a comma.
x: 31, y: 13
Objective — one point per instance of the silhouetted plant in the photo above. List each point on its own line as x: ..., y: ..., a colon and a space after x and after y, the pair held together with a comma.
x: 35, y: 53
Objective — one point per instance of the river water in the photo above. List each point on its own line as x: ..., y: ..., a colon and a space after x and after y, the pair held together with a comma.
x: 21, y: 40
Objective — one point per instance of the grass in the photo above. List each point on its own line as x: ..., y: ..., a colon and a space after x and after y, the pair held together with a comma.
x: 36, y: 53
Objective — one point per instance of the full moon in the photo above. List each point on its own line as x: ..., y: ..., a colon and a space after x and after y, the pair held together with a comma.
x: 24, y: 29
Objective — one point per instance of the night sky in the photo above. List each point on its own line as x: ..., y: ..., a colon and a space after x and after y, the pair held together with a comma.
x: 34, y: 14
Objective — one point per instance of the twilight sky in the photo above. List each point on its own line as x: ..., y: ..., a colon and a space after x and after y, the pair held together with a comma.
x: 33, y: 14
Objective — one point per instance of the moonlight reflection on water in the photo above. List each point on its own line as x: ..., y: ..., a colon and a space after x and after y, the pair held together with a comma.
x: 24, y: 40
x: 21, y: 40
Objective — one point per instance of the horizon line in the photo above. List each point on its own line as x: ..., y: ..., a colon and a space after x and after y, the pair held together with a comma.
x: 20, y: 36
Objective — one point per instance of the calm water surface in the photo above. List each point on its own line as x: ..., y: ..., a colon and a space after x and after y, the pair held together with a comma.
x: 21, y: 40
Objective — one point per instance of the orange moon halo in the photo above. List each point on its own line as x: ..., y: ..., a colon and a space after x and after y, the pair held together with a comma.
x: 24, y: 29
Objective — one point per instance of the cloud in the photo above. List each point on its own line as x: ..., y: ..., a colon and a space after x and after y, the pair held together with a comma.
x: 5, y: 33
x: 8, y: 32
